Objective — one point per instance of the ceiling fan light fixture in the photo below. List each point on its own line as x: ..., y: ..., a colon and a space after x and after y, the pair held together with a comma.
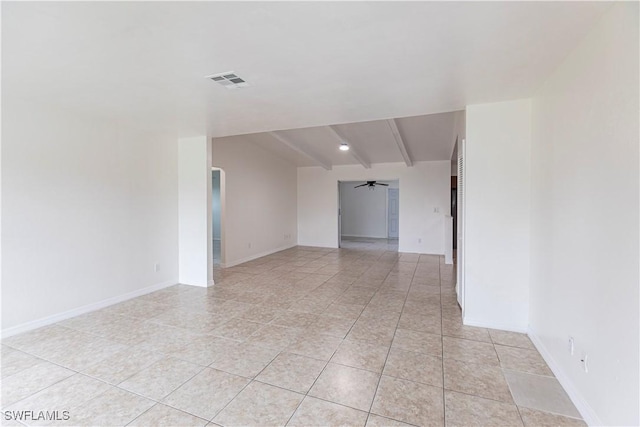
x: 344, y: 146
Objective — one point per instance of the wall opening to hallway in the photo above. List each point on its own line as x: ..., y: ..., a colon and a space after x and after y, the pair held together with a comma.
x: 218, y: 213
x: 368, y: 216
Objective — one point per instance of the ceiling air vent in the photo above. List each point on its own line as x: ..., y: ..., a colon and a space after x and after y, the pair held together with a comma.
x: 230, y: 80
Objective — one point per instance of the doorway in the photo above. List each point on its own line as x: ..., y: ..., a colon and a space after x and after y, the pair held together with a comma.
x: 368, y: 215
x: 217, y: 210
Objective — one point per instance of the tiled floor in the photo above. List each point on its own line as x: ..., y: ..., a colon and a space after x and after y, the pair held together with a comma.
x: 369, y: 243
x: 304, y: 337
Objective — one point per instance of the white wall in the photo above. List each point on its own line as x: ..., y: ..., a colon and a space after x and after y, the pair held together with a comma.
x: 364, y: 210
x: 497, y: 192
x: 584, y: 249
x: 260, y: 200
x: 195, y: 239
x: 89, y: 208
x: 423, y: 187
x: 216, y: 211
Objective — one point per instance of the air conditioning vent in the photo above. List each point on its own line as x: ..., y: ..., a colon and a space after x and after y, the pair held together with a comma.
x: 229, y: 79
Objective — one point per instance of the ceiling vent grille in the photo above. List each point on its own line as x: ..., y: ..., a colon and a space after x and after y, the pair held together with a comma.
x: 230, y: 80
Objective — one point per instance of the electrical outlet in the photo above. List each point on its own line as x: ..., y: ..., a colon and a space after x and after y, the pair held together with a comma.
x: 436, y: 210
x: 584, y: 359
x: 571, y: 346
x: 249, y: 245
x: 156, y: 267
x: 419, y: 240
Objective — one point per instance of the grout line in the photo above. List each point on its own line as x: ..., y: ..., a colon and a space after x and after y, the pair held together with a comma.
x: 327, y: 259
x: 444, y: 401
x: 375, y: 394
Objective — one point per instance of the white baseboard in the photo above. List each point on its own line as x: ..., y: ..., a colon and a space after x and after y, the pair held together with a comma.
x: 581, y: 404
x: 364, y: 237
x: 256, y: 256
x: 44, y: 321
x: 493, y: 325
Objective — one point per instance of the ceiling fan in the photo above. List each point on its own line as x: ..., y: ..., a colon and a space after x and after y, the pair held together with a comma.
x: 371, y: 184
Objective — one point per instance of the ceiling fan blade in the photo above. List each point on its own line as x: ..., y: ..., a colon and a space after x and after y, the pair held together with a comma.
x: 379, y: 183
x: 361, y: 185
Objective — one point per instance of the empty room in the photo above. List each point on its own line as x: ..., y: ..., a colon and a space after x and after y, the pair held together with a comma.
x: 320, y: 213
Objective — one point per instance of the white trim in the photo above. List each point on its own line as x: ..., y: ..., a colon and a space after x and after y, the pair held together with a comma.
x: 256, y: 256
x: 368, y: 237
x: 588, y: 413
x: 318, y: 160
x: 466, y: 320
x: 44, y: 321
x: 393, y: 126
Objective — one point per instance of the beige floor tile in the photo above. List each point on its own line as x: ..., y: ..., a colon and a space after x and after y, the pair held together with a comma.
x: 318, y: 346
x: 87, y: 348
x: 455, y: 328
x: 161, y: 378
x: 346, y: 311
x: 181, y: 318
x: 322, y: 321
x: 413, y: 366
x: 122, y: 365
x: 473, y: 378
x: 63, y: 395
x: 533, y: 418
x: 316, y: 412
x: 329, y: 325
x: 205, y: 349
x: 14, y: 361
x: 133, y: 331
x: 469, y: 351
x: 261, y: 314
x: 292, y: 319
x: 114, y: 407
x: 410, y: 402
x: 162, y: 415
x: 31, y: 380
x: 365, y: 330
x: 539, y: 392
x: 523, y: 360
x: 512, y: 339
x: 292, y: 371
x: 276, y: 337
x: 466, y: 410
x: 237, y: 329
x: 378, y: 421
x: 361, y: 354
x: 260, y: 405
x: 207, y: 393
x: 421, y: 342
x: 245, y: 359
x: 168, y: 339
x: 416, y: 322
x: 93, y: 322
x: 346, y: 386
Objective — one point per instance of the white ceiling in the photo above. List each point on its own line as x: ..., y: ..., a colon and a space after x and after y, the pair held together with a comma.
x: 428, y: 137
x: 308, y: 63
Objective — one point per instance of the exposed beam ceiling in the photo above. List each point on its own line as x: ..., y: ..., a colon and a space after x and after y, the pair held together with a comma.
x: 304, y: 151
x: 352, y: 150
x: 401, y: 145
